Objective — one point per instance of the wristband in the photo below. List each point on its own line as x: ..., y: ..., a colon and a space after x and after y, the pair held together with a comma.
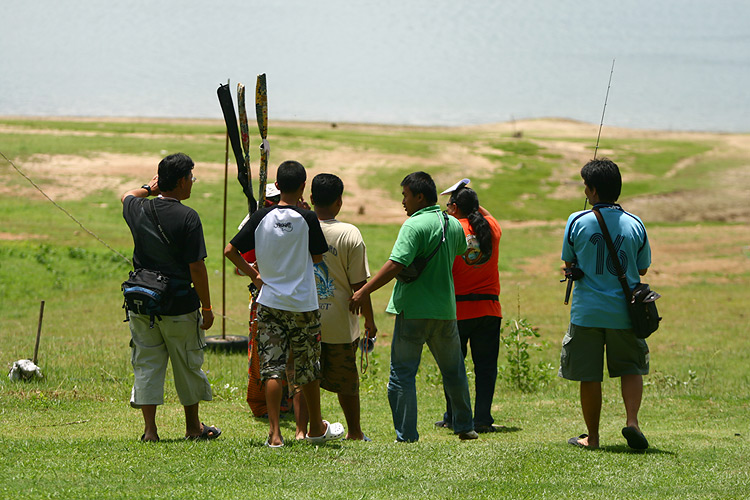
x: 147, y: 188
x: 206, y: 308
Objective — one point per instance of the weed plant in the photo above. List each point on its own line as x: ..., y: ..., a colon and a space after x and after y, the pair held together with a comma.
x: 520, y: 372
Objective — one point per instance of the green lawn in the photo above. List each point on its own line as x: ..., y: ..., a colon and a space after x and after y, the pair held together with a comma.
x: 73, y: 435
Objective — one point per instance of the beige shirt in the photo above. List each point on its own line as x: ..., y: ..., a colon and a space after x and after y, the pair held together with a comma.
x: 343, y: 264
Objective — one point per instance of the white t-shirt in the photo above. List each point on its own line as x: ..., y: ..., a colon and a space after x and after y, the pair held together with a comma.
x: 344, y: 264
x: 284, y: 238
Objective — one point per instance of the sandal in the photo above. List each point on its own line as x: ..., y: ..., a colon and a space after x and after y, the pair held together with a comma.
x: 635, y: 438
x: 575, y: 441
x: 333, y: 431
x: 209, y: 432
x: 269, y: 445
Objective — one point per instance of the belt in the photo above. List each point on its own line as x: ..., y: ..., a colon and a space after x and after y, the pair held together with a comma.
x: 470, y: 297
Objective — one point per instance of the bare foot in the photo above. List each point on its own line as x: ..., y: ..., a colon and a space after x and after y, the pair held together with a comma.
x: 589, y: 442
x: 275, y: 440
x: 585, y: 441
x: 149, y: 438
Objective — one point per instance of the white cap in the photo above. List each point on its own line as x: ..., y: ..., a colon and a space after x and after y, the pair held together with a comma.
x: 457, y: 185
x: 272, y: 190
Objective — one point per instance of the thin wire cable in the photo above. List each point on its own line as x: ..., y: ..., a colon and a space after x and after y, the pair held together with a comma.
x: 64, y: 211
x: 82, y: 226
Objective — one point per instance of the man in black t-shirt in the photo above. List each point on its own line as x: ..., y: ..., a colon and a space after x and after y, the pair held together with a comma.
x: 170, y: 240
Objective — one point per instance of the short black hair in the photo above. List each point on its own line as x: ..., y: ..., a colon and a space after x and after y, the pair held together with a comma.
x: 290, y: 176
x: 173, y: 168
x: 421, y: 183
x: 326, y: 189
x: 604, y: 176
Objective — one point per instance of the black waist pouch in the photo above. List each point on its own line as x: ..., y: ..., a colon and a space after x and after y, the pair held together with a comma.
x: 146, y: 292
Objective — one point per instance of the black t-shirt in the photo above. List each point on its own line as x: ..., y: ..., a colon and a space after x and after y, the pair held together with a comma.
x: 183, y: 229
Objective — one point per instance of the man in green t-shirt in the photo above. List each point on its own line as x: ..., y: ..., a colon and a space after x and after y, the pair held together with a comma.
x: 425, y: 308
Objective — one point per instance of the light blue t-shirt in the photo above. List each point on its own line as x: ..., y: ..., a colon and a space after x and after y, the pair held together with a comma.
x: 598, y: 299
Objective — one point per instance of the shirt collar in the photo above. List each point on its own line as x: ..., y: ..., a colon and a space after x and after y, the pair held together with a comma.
x: 431, y: 208
x: 608, y: 205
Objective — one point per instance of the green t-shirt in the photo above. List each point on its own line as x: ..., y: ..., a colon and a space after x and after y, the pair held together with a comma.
x: 432, y: 295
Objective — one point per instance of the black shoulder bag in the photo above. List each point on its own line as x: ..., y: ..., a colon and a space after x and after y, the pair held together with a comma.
x: 146, y: 291
x: 414, y: 270
x: 641, y: 300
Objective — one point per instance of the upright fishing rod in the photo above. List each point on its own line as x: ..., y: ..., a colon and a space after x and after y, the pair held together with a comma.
x: 573, y: 273
x: 601, y: 123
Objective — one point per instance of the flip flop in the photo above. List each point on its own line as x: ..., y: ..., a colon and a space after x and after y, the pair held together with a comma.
x: 333, y: 431
x: 364, y: 439
x: 269, y: 445
x: 442, y: 424
x: 209, y: 432
x: 574, y: 441
x: 635, y: 438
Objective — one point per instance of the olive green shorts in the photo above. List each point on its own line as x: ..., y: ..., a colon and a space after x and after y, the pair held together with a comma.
x: 583, y: 349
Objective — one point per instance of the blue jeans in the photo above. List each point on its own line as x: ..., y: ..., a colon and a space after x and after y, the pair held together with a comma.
x: 484, y: 336
x: 441, y: 336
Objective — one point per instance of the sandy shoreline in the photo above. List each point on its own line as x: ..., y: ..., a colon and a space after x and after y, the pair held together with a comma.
x: 558, y: 124
x: 571, y: 140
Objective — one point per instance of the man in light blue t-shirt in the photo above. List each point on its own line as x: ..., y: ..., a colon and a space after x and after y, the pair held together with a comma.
x: 598, y: 315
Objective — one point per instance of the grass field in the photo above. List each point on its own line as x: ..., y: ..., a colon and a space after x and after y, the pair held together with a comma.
x: 73, y: 435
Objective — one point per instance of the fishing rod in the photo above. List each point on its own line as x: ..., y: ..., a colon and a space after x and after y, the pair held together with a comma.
x: 573, y: 272
x: 601, y: 123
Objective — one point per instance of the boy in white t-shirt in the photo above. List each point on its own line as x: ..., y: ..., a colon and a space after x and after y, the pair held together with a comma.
x: 287, y: 241
x: 344, y: 270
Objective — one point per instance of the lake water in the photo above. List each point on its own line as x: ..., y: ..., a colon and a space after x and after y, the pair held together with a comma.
x: 680, y: 64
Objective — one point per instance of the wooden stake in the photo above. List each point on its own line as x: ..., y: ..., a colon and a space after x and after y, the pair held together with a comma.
x: 38, y: 332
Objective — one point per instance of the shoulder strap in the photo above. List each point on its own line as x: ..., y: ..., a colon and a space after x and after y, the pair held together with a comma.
x: 613, y: 255
x: 445, y: 226
x: 155, y: 220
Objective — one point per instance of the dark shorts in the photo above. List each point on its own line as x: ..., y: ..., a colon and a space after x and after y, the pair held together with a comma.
x: 582, y: 356
x: 338, y: 366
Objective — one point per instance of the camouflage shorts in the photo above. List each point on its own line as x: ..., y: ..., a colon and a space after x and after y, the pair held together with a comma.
x: 282, y: 333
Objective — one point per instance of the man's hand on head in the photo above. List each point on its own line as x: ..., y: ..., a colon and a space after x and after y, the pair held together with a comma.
x: 154, y: 185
